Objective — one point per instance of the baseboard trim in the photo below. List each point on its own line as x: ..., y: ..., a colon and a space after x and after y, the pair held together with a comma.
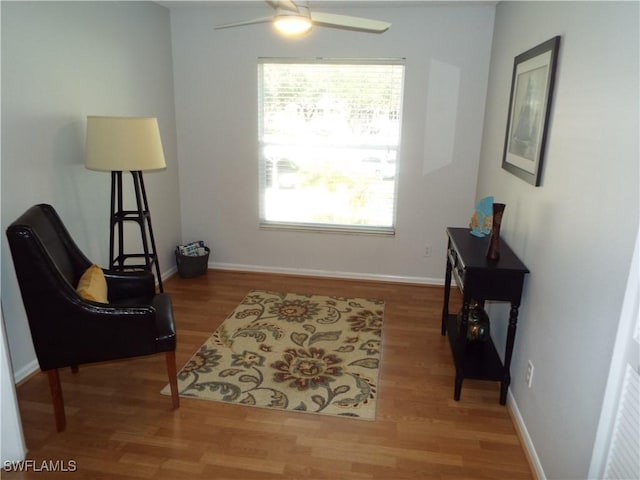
x: 525, y: 438
x: 169, y: 273
x: 27, y: 371
x: 307, y: 272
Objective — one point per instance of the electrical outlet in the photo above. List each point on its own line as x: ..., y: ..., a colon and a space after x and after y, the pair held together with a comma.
x: 427, y: 251
x: 529, y: 376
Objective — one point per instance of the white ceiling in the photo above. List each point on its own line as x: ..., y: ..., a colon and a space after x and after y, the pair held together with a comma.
x: 342, y: 3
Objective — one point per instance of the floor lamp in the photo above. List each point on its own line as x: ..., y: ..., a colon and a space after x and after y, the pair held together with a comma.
x: 117, y: 144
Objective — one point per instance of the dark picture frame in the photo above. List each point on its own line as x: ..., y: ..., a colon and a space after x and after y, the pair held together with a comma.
x: 532, y: 85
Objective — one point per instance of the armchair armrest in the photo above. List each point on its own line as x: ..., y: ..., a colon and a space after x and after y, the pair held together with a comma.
x: 129, y: 285
x: 92, y: 332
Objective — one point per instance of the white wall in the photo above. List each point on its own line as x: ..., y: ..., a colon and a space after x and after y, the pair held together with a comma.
x: 576, y: 231
x: 62, y: 61
x: 216, y: 112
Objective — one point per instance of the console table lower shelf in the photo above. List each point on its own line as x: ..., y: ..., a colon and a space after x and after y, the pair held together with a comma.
x: 479, y: 361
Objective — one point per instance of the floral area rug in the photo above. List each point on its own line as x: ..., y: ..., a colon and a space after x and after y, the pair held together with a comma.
x: 302, y: 353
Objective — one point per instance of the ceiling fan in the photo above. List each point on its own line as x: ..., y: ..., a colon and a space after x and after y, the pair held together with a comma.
x: 293, y: 17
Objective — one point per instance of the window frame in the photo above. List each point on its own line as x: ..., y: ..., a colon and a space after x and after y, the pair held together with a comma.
x: 327, y: 227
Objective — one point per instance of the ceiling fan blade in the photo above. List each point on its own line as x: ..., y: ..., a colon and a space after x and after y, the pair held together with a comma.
x: 347, y: 22
x: 245, y: 22
x: 283, y: 4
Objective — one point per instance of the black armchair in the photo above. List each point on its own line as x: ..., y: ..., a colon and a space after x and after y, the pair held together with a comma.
x: 68, y: 330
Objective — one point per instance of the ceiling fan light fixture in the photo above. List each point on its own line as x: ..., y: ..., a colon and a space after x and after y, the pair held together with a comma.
x: 292, y: 24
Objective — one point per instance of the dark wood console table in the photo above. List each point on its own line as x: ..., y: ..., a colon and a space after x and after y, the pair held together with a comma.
x: 480, y: 279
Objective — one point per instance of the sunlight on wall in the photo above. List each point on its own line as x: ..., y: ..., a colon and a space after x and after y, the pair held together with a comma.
x: 442, y: 111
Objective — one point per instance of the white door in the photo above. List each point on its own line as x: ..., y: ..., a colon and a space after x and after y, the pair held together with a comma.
x: 616, y: 452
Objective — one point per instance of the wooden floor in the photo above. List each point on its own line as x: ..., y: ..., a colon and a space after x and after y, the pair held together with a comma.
x: 119, y: 426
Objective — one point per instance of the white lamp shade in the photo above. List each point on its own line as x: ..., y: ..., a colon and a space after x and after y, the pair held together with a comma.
x: 123, y: 144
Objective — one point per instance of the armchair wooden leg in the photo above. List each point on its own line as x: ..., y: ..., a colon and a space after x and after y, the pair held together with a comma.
x: 173, y: 380
x: 56, y: 397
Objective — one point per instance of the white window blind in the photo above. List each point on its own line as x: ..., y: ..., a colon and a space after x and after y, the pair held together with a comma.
x: 329, y: 136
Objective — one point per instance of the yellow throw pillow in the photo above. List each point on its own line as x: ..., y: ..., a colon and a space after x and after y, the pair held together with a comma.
x: 92, y: 285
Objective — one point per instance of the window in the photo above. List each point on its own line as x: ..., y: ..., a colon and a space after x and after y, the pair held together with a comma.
x: 329, y: 134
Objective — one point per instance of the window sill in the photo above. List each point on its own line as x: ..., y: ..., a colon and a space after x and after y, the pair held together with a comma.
x: 321, y: 228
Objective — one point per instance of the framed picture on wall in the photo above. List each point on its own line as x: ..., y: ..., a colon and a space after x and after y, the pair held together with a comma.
x: 529, y: 107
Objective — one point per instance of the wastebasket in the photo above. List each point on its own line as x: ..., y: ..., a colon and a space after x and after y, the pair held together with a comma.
x: 192, y: 265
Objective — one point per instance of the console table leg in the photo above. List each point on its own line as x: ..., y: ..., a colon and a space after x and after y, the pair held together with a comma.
x: 511, y: 337
x: 504, y: 388
x: 447, y: 291
x: 462, y: 341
